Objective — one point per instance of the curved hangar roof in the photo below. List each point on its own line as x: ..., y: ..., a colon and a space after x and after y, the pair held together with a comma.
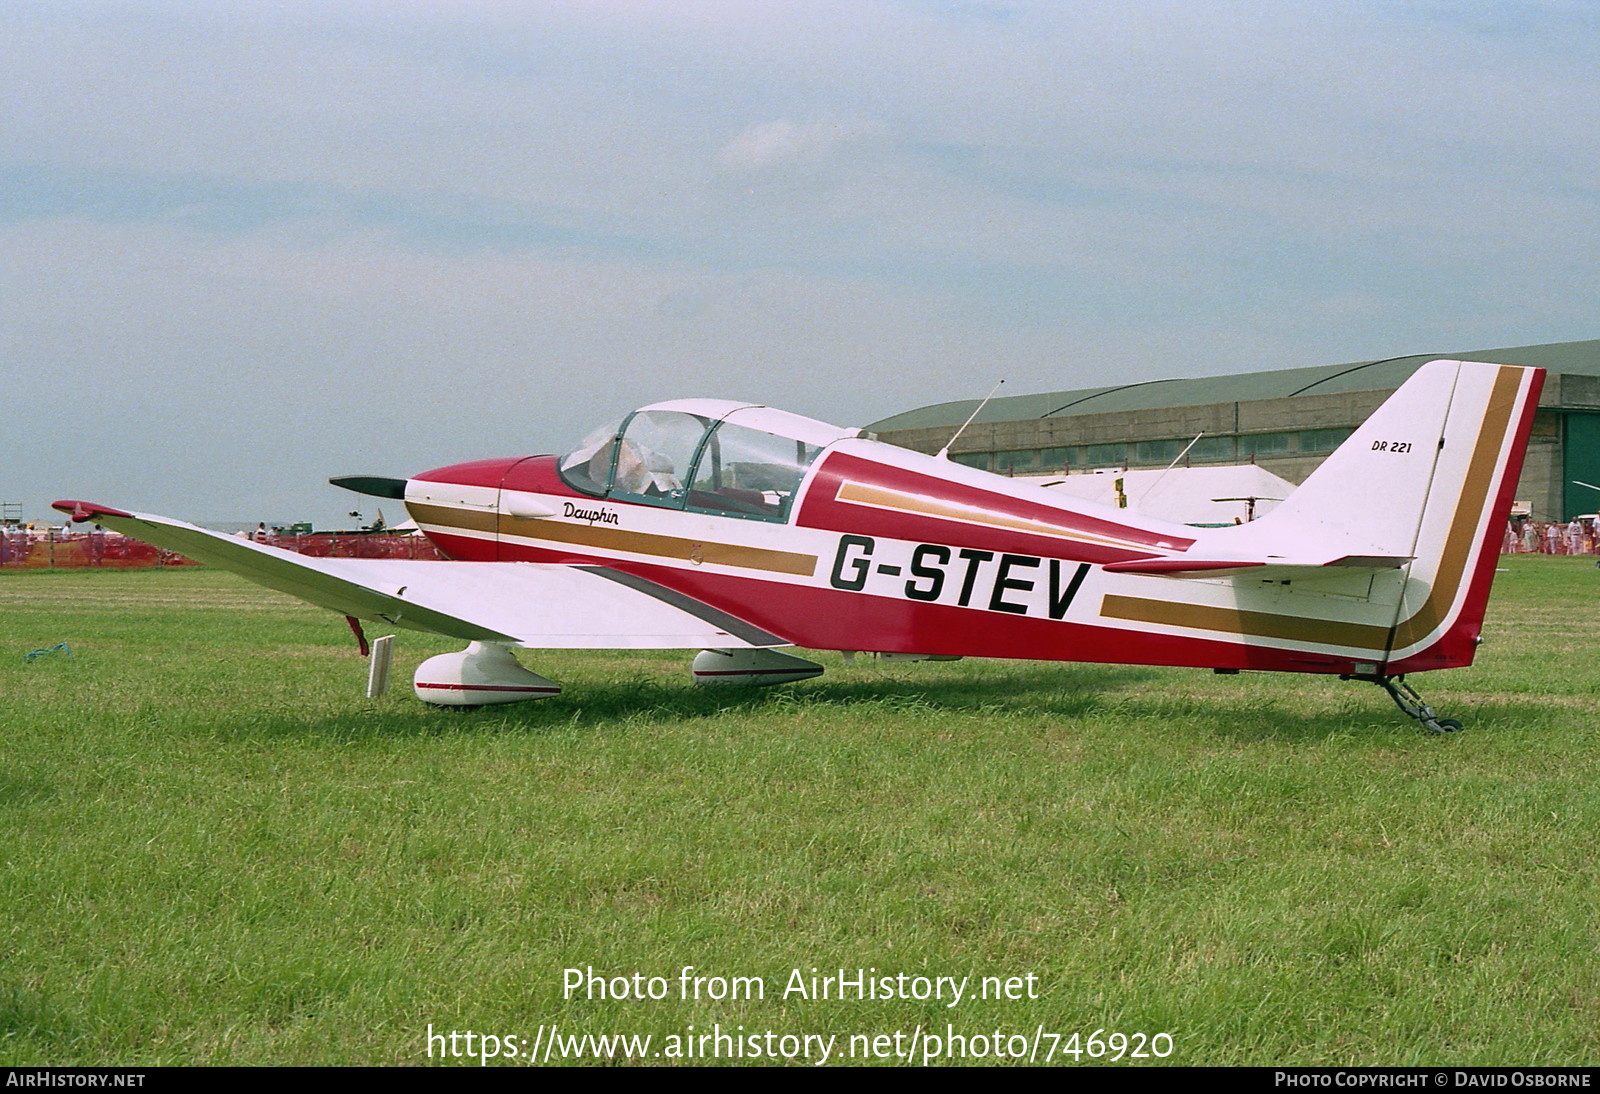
x: 1381, y: 375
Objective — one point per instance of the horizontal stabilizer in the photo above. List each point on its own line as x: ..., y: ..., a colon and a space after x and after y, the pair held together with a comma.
x: 1265, y: 568
x: 538, y: 605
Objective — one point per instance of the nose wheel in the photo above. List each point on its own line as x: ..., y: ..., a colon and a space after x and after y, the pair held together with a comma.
x: 1410, y: 703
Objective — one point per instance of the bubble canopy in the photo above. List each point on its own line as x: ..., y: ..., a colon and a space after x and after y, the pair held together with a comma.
x: 702, y: 455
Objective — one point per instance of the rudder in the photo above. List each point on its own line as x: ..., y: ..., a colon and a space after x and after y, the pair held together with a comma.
x: 1458, y: 542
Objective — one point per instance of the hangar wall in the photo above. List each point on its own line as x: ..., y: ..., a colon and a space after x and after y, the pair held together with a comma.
x: 1288, y: 434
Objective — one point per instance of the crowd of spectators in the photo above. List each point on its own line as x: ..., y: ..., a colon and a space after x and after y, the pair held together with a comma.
x: 1579, y: 536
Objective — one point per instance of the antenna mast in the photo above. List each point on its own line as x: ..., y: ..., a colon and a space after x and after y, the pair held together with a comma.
x: 944, y: 453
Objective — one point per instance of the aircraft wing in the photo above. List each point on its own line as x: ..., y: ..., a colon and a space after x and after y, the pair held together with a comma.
x: 538, y: 605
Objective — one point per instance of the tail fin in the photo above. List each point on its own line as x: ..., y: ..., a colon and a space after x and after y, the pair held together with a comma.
x: 1429, y: 476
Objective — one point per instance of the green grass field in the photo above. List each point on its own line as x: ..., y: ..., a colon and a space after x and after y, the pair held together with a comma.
x: 215, y: 850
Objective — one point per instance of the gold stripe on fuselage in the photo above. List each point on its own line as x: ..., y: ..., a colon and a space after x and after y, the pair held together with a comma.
x: 1206, y: 617
x: 607, y: 538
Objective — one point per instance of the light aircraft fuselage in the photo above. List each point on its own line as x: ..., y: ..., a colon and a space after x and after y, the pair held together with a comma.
x: 735, y: 529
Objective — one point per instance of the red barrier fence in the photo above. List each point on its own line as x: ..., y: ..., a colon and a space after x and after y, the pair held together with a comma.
x: 22, y: 550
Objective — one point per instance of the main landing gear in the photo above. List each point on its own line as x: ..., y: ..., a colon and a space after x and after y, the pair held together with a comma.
x: 1410, y: 703
x: 757, y: 668
x: 483, y: 673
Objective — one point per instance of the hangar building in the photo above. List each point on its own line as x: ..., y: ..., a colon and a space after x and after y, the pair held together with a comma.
x: 1286, y: 421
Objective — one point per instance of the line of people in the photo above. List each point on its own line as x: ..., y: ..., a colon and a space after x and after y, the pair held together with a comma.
x: 1579, y: 536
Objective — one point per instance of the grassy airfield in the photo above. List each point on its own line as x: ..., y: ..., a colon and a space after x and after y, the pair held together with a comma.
x: 215, y: 850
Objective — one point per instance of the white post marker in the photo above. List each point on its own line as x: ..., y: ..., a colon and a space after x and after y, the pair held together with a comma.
x: 378, y: 670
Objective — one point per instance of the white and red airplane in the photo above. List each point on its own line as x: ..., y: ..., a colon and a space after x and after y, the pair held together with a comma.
x: 734, y: 529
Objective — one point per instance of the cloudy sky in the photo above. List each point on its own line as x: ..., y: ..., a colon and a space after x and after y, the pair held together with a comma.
x: 247, y: 246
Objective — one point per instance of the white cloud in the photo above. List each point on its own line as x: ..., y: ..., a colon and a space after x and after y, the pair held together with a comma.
x: 784, y: 143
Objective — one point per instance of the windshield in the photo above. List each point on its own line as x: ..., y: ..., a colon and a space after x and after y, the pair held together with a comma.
x: 588, y: 467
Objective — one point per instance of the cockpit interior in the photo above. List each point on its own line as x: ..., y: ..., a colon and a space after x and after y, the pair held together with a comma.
x: 702, y: 455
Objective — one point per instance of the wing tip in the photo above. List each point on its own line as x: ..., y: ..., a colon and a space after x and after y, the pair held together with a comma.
x: 83, y: 511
